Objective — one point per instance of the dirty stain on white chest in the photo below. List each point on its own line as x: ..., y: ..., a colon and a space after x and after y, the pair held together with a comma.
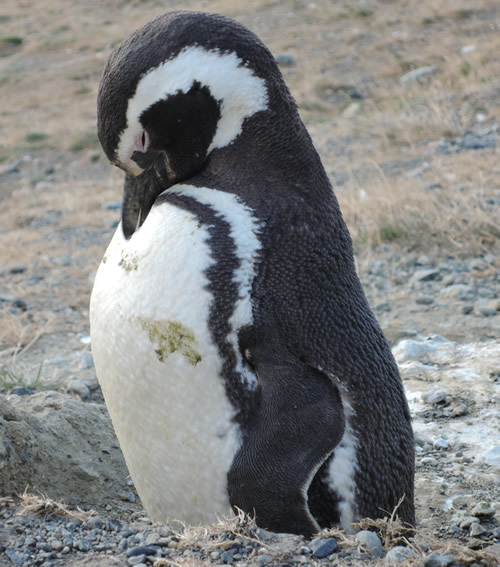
x: 159, y: 368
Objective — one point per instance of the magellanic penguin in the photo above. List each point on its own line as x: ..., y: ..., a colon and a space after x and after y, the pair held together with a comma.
x: 238, y: 357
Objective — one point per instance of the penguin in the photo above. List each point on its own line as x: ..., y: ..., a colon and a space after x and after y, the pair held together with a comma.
x: 238, y: 356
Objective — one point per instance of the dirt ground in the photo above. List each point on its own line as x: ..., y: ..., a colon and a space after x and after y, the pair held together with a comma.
x: 414, y: 164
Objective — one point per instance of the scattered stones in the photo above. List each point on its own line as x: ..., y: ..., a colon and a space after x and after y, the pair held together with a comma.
x: 370, y: 542
x: 78, y: 387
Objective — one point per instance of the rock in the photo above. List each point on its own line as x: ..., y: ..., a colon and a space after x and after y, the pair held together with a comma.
x: 78, y: 387
x: 370, y: 542
x: 377, y: 268
x: 417, y: 75
x: 398, y: 554
x: 17, y: 269
x: 423, y: 261
x: 483, y: 510
x: 351, y: 110
x: 485, y: 309
x: 492, y: 456
x: 142, y: 550
x: 476, y: 529
x: 409, y: 349
x: 435, y: 560
x: 441, y: 444
x: 22, y: 391
x: 321, y: 547
x: 434, y: 397
x: 113, y: 206
x: 86, y: 361
x: 424, y: 300
x: 425, y: 275
x: 50, y: 436
x: 467, y: 522
x: 466, y: 309
x: 428, y: 461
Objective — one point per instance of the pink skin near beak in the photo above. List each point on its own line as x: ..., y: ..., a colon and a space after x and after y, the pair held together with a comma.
x: 141, y: 144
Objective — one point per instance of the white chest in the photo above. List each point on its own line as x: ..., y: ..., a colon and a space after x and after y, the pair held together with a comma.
x: 158, y: 366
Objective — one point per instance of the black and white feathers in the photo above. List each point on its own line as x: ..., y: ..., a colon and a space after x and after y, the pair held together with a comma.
x: 240, y: 362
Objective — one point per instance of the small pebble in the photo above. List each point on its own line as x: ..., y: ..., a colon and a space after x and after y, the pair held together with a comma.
x: 435, y: 560
x: 370, y: 542
x: 17, y: 269
x: 441, y: 444
x: 424, y: 300
x: 136, y: 559
x: 399, y: 554
x: 466, y: 309
x: 486, y: 310
x: 323, y: 547
x: 434, y: 397
x: 21, y: 391
x: 429, y: 461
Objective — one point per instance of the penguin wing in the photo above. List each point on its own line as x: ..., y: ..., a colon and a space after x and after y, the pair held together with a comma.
x: 297, y: 422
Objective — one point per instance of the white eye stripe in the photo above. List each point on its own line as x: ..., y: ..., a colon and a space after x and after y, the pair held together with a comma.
x: 240, y: 92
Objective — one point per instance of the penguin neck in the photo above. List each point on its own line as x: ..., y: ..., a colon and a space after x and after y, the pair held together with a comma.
x: 272, y: 146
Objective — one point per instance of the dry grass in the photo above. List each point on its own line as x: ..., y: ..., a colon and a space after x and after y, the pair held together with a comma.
x: 42, y: 505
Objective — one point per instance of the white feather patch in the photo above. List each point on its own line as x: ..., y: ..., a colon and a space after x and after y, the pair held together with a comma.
x: 342, y: 469
x: 244, y: 233
x: 160, y: 370
x: 240, y: 92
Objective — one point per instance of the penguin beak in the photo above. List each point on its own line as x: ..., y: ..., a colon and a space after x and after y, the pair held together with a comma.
x: 140, y: 193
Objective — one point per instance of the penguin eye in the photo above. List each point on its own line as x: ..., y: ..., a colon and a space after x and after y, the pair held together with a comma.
x: 143, y: 141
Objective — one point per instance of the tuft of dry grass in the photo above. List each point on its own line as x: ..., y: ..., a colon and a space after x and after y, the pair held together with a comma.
x: 42, y: 505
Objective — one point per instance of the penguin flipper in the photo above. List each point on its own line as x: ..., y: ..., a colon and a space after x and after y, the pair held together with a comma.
x: 297, y: 422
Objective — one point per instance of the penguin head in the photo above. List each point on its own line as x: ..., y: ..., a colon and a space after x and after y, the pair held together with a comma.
x: 179, y: 89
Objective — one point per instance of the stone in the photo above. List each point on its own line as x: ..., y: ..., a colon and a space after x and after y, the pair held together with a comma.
x: 425, y: 275
x: 492, y: 456
x: 476, y: 529
x: 441, y: 444
x: 351, y: 110
x: 428, y: 461
x: 419, y: 75
x: 463, y: 292
x: 409, y: 349
x: 435, y: 560
x: 370, y: 542
x: 483, y: 510
x: 424, y: 300
x: 398, y: 554
x: 321, y: 547
x: 485, y: 309
x: 86, y: 361
x: 467, y: 309
x: 78, y: 387
x: 434, y: 397
x: 22, y: 391
x: 467, y: 522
